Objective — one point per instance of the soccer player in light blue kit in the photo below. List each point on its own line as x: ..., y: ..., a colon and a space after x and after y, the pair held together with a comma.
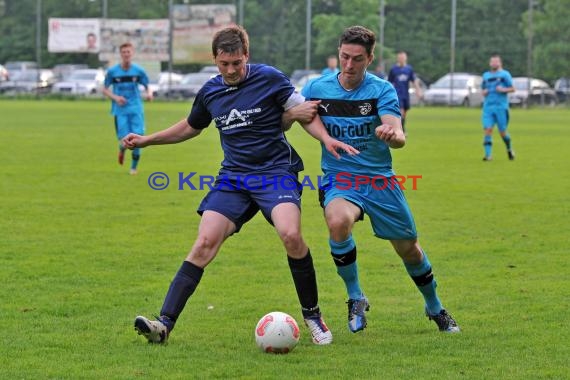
x: 362, y: 110
x: 246, y: 103
x: 126, y: 105
x: 497, y: 83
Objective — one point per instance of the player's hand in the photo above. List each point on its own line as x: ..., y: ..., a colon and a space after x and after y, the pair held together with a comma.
x: 120, y: 100
x: 149, y: 97
x: 132, y: 141
x: 390, y: 134
x: 333, y: 146
x: 305, y: 112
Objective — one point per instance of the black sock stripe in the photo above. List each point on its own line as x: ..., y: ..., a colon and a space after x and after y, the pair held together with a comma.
x: 423, y: 279
x: 344, y: 259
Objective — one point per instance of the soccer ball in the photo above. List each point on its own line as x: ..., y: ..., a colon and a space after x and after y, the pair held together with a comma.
x: 277, y: 333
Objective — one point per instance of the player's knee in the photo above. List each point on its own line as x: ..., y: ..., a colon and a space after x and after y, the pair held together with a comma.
x: 409, y: 251
x: 204, y: 245
x: 291, y: 238
x: 136, y: 157
x: 339, y: 226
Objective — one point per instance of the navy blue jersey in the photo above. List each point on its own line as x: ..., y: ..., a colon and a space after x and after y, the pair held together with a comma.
x: 400, y: 77
x: 248, y: 118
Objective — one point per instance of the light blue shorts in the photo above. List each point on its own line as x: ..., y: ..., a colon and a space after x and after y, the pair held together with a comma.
x: 129, y: 123
x: 498, y: 116
x: 383, y: 202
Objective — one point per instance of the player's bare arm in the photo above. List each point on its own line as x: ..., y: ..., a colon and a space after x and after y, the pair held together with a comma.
x: 303, y: 113
x: 118, y: 99
x: 391, y: 131
x: 505, y: 90
x: 419, y: 92
x: 179, y: 132
x: 316, y: 129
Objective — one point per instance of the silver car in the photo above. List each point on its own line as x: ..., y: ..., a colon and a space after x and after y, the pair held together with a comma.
x: 540, y: 93
x: 81, y: 82
x: 466, y: 91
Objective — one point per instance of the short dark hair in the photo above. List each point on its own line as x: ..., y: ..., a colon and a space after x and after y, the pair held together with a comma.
x: 230, y: 40
x: 359, y: 35
x: 495, y: 55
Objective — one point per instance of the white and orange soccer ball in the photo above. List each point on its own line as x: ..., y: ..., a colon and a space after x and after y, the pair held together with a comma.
x: 277, y: 333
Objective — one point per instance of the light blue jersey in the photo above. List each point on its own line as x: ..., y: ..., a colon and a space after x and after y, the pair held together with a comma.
x: 490, y: 82
x: 126, y: 84
x: 352, y: 117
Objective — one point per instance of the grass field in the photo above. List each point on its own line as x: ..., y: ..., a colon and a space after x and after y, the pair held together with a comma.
x: 85, y: 247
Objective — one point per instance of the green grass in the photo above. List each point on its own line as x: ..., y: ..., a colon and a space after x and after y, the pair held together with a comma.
x: 85, y: 247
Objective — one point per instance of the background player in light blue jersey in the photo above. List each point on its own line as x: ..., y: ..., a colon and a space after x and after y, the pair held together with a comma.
x: 497, y: 83
x: 362, y: 110
x: 401, y: 75
x: 126, y: 102
x: 246, y: 103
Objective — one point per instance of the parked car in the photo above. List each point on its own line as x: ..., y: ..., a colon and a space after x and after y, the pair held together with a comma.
x: 562, y: 88
x: 298, y: 74
x: 162, y: 82
x: 299, y: 84
x: 3, y: 74
x: 29, y: 81
x: 210, y: 69
x: 414, y: 99
x: 188, y: 86
x: 466, y: 91
x: 540, y: 93
x: 15, y: 66
x: 63, y: 71
x: 81, y: 82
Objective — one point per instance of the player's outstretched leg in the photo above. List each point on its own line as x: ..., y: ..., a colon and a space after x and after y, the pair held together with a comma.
x: 507, y: 140
x: 344, y: 257
x: 488, y: 145
x: 121, y: 155
x: 305, y: 280
x: 181, y: 288
x: 419, y: 268
x: 136, y: 156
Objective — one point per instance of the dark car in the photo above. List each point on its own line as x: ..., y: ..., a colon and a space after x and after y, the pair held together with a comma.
x: 540, y: 93
x: 562, y: 88
x: 29, y: 81
x: 188, y: 86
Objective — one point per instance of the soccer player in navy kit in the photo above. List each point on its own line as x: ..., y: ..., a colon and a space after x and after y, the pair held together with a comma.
x: 362, y: 110
x: 497, y: 83
x: 400, y: 75
x: 246, y: 103
x: 126, y: 103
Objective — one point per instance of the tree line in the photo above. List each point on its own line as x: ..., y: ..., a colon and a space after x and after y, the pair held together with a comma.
x: 277, y: 31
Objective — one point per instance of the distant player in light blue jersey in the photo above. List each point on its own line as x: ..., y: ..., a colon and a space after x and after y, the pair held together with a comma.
x: 497, y: 83
x: 246, y: 103
x: 362, y: 110
x: 401, y: 75
x: 126, y: 105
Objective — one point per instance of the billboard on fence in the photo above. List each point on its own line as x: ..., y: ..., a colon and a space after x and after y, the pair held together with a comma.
x: 73, y: 35
x: 194, y: 27
x: 149, y: 37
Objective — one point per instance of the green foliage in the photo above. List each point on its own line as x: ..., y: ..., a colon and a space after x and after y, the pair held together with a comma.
x: 85, y: 248
x: 277, y: 31
x: 551, y: 50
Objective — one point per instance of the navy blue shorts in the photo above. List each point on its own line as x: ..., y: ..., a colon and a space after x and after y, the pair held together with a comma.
x: 404, y: 103
x: 240, y: 197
